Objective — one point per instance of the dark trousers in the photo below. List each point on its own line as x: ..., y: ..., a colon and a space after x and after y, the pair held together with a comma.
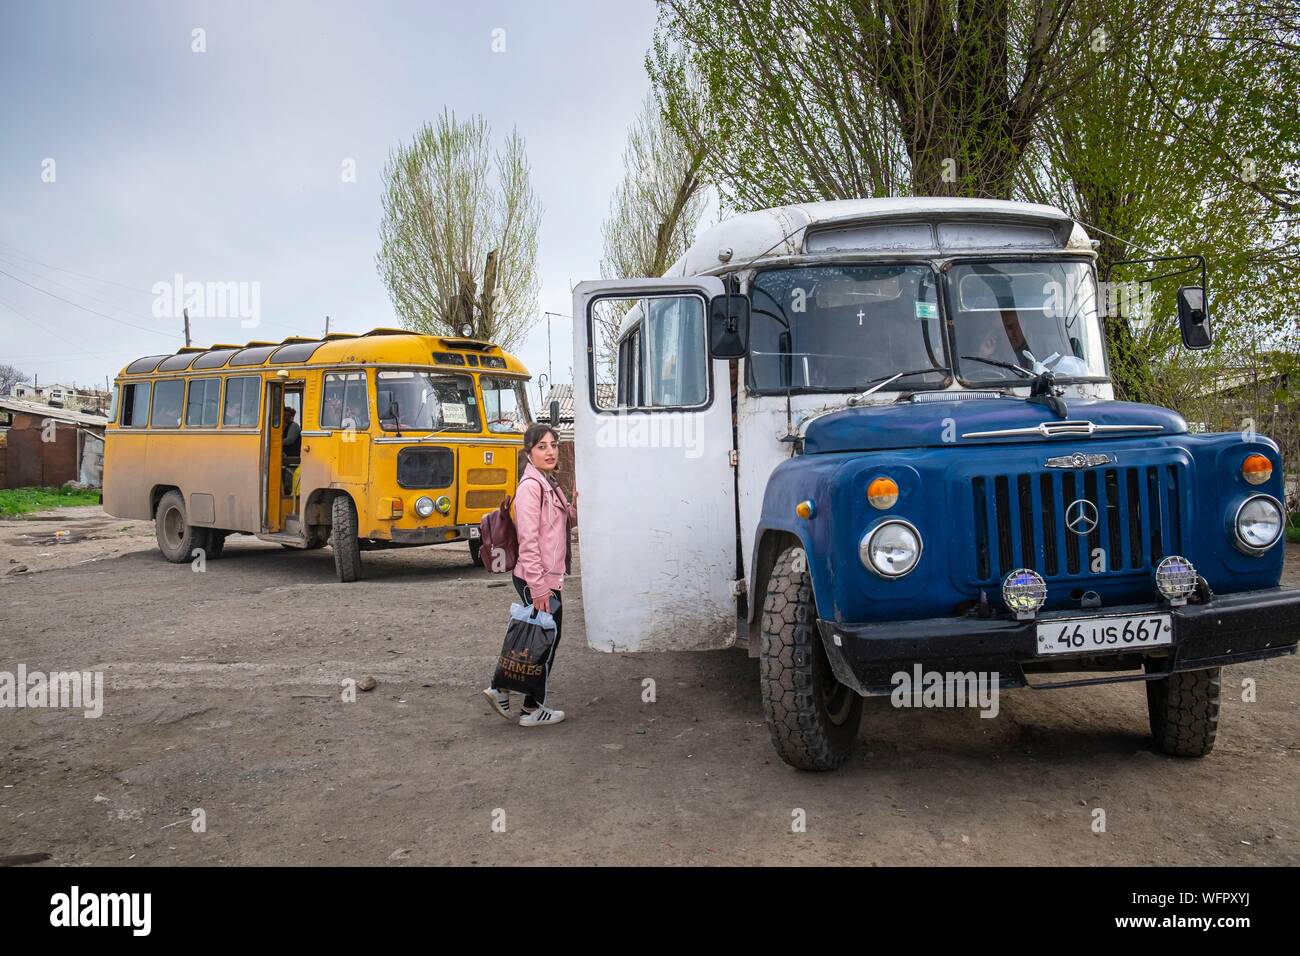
x: 525, y: 595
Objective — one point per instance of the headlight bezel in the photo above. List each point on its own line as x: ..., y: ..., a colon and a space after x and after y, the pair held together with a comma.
x: 865, y: 546
x: 420, y: 509
x: 1255, y: 550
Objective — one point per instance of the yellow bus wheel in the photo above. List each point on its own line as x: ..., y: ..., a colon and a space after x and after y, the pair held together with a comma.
x: 344, y: 541
x: 177, y: 538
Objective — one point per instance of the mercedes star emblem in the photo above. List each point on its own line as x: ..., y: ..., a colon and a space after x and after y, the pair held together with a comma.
x: 1081, y: 516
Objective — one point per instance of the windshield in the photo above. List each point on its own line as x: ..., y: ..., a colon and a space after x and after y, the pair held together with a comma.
x: 841, y: 328
x: 426, y: 401
x: 1032, y: 315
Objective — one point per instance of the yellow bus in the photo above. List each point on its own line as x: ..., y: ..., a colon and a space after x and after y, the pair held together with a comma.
x: 401, y: 439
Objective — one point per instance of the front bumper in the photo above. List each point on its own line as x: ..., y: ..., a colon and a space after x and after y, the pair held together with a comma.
x: 442, y: 534
x: 1248, y: 625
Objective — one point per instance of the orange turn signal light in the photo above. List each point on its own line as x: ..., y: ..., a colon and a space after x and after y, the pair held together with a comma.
x: 805, y: 509
x: 1256, y: 469
x: 882, y: 492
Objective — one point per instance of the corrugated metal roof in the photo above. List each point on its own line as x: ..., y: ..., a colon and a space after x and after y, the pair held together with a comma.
x: 49, y: 411
x: 564, y: 395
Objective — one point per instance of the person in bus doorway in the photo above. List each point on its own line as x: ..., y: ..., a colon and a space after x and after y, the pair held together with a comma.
x: 543, y: 517
x: 292, y: 434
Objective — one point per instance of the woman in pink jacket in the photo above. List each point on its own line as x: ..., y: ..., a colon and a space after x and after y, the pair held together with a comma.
x: 543, y: 517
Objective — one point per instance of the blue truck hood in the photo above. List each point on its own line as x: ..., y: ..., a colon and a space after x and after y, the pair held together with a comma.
x: 939, y: 423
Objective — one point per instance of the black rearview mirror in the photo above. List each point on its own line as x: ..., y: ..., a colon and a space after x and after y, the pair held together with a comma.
x: 729, y: 327
x: 1194, y: 317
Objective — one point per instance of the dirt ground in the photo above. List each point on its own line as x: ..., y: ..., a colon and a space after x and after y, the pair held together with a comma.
x: 223, y: 693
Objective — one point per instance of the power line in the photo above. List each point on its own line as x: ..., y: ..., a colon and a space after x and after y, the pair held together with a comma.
x: 83, y: 275
x: 102, y: 315
x: 64, y: 285
x: 23, y: 315
x: 81, y: 292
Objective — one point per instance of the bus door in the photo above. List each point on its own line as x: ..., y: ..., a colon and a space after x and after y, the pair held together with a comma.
x: 653, y: 443
x: 291, y: 456
x: 272, y: 443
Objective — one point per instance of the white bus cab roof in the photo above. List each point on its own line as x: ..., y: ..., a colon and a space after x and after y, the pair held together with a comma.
x: 829, y: 227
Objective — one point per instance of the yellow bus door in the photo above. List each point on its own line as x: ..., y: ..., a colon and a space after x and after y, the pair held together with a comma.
x: 273, y: 442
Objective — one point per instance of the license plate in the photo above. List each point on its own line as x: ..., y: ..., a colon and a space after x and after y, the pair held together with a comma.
x: 473, y: 532
x: 1090, y: 635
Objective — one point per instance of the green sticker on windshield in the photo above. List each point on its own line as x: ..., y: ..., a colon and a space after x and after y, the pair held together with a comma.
x: 927, y: 310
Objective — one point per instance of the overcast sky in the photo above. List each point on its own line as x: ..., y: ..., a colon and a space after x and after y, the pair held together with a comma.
x: 227, y: 165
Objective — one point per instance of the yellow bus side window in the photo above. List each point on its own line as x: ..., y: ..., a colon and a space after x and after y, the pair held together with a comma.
x: 166, y: 411
x: 135, y: 405
x: 242, y: 393
x: 201, y: 408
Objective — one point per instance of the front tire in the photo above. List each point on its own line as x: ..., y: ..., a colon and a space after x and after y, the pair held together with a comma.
x: 1184, y: 712
x: 344, y: 541
x: 177, y: 538
x: 812, y: 717
x: 475, y: 546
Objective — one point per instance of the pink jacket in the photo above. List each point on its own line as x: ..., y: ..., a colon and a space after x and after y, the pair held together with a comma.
x: 543, y: 517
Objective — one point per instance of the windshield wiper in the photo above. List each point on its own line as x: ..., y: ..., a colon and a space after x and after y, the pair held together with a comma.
x: 1042, y: 385
x: 876, y: 384
x: 1000, y: 364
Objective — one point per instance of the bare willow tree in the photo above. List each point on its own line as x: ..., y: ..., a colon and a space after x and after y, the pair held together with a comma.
x: 458, y: 246
x: 656, y: 209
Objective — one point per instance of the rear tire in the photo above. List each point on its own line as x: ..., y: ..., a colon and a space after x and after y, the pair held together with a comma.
x: 344, y: 541
x: 812, y: 717
x: 475, y: 546
x: 177, y: 538
x: 1184, y: 712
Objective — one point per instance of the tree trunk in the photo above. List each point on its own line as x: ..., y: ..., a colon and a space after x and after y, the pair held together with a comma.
x: 487, y: 316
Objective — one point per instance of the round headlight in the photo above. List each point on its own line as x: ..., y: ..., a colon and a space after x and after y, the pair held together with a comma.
x: 443, y: 504
x: 424, y: 506
x: 1259, y: 524
x: 1175, y: 578
x: 1024, y: 592
x: 891, y: 550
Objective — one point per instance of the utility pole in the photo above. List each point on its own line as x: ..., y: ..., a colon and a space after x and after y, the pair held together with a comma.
x: 186, y: 313
x: 558, y: 315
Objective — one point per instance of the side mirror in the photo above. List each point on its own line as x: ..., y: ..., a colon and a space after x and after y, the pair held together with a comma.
x: 729, y: 326
x: 1193, y: 318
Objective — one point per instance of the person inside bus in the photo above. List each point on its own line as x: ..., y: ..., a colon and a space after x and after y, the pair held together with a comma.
x: 543, y: 517
x: 292, y: 435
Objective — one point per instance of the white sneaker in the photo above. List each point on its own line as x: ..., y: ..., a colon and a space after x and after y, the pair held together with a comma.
x: 500, y: 701
x: 541, y: 717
